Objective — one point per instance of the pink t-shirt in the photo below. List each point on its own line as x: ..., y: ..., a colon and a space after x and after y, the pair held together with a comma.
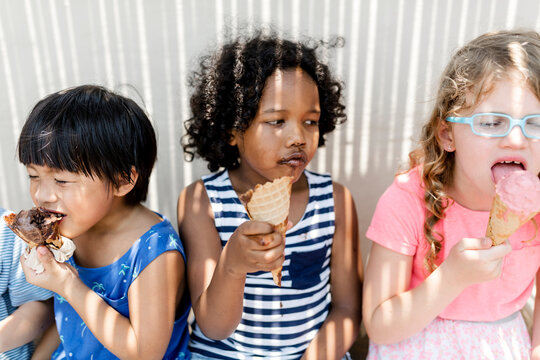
x: 398, y: 225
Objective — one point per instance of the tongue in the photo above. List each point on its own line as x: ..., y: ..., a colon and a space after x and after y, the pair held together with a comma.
x: 500, y: 170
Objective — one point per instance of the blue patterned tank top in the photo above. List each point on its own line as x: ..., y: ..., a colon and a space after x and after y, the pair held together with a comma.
x: 277, y: 322
x: 112, y: 283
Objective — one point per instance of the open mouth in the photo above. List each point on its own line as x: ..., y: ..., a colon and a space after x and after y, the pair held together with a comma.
x: 56, y: 216
x: 505, y: 167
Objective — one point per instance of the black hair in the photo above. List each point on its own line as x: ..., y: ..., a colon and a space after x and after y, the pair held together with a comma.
x: 229, y: 85
x: 92, y: 131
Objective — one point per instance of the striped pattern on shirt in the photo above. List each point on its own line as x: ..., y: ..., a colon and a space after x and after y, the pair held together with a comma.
x: 14, y: 290
x: 277, y: 322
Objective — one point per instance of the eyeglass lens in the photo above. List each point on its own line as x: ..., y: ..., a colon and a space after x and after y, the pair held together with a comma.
x: 498, y: 125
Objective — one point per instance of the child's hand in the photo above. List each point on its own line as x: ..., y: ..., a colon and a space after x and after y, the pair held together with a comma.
x: 474, y: 260
x: 254, y: 246
x: 55, y: 275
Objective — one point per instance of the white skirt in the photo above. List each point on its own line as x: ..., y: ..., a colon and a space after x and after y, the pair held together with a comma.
x: 451, y: 339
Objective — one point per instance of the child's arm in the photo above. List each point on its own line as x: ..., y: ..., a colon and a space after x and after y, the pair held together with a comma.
x: 340, y: 328
x: 48, y: 343
x: 216, y: 277
x: 535, y: 343
x: 392, y: 313
x: 25, y: 324
x: 153, y: 298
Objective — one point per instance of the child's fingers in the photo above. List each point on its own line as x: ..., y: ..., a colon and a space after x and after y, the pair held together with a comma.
x: 289, y: 224
x: 45, y: 256
x: 25, y: 268
x: 29, y: 273
x: 474, y: 244
x: 270, y: 259
x: 489, y: 253
x: 268, y: 241
x: 497, y: 252
x: 252, y: 227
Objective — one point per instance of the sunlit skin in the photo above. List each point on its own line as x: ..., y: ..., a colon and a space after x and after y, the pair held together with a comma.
x: 473, y: 185
x: 391, y: 311
x: 281, y: 140
x: 25, y: 324
x: 283, y: 136
x: 83, y: 200
x: 103, y: 228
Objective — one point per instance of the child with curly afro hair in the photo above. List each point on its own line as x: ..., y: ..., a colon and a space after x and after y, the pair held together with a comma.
x: 261, y: 107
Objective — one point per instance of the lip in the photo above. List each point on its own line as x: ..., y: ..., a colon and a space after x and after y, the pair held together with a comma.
x: 57, y: 213
x: 298, y: 158
x: 519, y: 159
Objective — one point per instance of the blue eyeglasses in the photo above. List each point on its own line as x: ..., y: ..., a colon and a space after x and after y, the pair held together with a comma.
x: 500, y: 125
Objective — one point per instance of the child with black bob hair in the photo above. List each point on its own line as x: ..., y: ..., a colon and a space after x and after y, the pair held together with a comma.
x: 261, y: 106
x: 75, y: 127
x: 89, y: 154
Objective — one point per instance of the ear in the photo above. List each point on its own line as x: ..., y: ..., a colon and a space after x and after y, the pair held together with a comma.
x: 234, y: 137
x: 445, y: 136
x: 125, y: 186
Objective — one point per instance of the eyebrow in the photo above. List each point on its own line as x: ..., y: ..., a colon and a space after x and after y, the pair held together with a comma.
x: 273, y: 110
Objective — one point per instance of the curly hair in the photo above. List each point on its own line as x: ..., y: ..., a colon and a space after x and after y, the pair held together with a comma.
x: 229, y: 85
x: 466, y: 80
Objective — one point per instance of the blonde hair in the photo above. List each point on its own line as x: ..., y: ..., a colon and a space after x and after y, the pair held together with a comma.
x: 470, y: 75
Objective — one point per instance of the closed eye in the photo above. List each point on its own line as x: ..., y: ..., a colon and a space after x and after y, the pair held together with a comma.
x: 490, y: 121
x: 535, y: 122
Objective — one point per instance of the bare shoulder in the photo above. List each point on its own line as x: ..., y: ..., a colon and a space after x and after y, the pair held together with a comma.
x: 193, y: 204
x: 346, y: 236
x: 346, y: 263
x: 343, y: 201
x: 193, y: 190
x: 339, y: 189
x: 196, y: 218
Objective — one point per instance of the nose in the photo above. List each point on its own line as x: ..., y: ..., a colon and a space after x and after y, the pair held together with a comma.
x: 515, y: 139
x: 43, y: 193
x: 295, y: 135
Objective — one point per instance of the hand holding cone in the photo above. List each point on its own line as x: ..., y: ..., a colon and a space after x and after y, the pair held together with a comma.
x: 516, y: 202
x: 40, y: 227
x: 270, y: 203
x: 36, y: 226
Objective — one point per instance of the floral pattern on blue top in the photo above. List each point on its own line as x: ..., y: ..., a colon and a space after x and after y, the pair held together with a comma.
x: 112, y: 283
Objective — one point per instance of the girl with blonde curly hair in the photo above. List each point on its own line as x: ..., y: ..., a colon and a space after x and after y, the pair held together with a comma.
x: 435, y: 287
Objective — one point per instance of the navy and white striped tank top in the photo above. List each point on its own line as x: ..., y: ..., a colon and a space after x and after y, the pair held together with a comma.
x: 277, y: 322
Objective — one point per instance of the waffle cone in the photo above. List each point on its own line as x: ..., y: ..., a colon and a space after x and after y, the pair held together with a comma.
x: 270, y: 203
x: 36, y: 227
x: 503, y: 222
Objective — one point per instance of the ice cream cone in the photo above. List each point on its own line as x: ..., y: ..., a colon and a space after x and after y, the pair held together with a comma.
x: 270, y: 203
x: 36, y: 226
x: 517, y: 201
x: 503, y: 222
x: 40, y: 227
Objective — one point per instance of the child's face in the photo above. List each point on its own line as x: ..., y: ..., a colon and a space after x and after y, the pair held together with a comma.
x: 478, y: 158
x: 84, y: 200
x: 284, y: 135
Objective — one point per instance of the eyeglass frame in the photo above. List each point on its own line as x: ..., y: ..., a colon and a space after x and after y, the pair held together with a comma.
x: 513, y: 123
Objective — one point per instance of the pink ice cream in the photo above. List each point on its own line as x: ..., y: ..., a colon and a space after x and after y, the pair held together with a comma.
x: 520, y: 191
